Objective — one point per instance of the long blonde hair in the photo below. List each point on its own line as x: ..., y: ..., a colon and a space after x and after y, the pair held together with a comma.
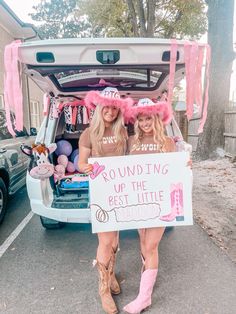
x: 159, y: 136
x: 97, y: 127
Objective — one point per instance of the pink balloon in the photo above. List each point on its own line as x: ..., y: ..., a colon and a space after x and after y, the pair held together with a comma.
x: 70, y: 167
x: 62, y: 160
x: 60, y: 169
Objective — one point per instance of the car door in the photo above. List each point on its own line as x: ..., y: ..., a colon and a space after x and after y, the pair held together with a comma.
x: 11, y: 157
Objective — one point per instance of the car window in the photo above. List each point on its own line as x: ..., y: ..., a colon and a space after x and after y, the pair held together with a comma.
x: 113, y: 76
x: 4, y: 133
x: 124, y: 77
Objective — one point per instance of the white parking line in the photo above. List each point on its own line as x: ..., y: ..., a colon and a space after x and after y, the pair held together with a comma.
x: 15, y: 234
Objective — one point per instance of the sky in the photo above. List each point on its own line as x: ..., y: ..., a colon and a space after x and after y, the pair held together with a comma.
x: 22, y: 8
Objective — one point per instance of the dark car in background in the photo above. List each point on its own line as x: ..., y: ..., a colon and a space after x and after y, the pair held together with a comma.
x: 13, y: 163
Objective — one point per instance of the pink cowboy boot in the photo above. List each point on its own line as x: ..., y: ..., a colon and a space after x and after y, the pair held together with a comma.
x: 144, y: 298
x: 176, y: 204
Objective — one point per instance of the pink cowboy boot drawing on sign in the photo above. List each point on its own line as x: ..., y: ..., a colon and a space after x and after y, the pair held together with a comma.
x: 177, y: 211
x: 97, y: 169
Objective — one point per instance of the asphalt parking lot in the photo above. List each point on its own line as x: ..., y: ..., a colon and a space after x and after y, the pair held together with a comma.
x: 51, y: 271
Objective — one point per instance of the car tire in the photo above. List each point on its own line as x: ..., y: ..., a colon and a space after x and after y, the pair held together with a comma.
x: 3, y: 199
x: 51, y: 224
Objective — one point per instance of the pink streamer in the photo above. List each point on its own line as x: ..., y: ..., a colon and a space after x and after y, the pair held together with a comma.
x: 74, y: 115
x: 191, y: 57
x: 13, y: 87
x: 173, y: 54
x: 11, y: 71
x: 17, y: 96
x: 60, y: 106
x: 194, y: 55
x: 198, y: 85
x: 46, y: 103
x: 204, y: 116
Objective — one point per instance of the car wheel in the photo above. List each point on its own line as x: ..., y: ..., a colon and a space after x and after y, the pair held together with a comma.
x: 3, y: 199
x: 48, y: 223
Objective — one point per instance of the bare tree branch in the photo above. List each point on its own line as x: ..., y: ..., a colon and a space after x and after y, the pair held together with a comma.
x: 151, y: 8
x: 133, y: 17
x: 142, y: 19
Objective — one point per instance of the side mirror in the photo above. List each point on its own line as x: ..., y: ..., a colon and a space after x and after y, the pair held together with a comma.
x: 33, y: 131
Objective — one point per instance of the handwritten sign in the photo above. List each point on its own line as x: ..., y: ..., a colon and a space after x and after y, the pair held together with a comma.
x: 140, y: 191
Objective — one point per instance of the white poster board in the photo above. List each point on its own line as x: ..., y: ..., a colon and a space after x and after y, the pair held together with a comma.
x: 140, y: 191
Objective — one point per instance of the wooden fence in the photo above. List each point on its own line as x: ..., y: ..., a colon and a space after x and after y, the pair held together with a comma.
x: 189, y: 130
x: 230, y: 129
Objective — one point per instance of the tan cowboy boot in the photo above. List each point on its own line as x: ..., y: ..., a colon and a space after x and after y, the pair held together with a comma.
x: 108, y: 303
x: 115, y: 287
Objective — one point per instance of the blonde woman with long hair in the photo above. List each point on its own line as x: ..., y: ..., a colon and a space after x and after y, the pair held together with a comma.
x: 149, y: 138
x: 106, y: 136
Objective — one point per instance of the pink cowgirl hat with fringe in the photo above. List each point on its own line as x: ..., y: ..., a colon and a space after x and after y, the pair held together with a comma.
x: 147, y: 106
x: 108, y: 97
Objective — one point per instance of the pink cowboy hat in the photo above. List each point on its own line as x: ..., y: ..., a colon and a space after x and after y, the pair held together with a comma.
x: 147, y: 106
x: 108, y: 97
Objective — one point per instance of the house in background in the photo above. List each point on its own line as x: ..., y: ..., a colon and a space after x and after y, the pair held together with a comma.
x: 12, y: 28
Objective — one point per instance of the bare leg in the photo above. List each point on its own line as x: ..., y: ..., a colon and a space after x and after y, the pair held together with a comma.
x: 142, y: 233
x: 115, y: 243
x: 152, y: 239
x: 106, y: 242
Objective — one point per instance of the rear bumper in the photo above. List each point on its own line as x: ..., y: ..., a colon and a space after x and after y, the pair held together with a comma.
x: 41, y: 199
x: 76, y: 215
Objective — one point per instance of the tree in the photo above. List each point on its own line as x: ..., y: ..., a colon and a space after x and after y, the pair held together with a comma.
x: 107, y: 17
x: 150, y: 18
x: 60, y: 19
x: 220, y: 37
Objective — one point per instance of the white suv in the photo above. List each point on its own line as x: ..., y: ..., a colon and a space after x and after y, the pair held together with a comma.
x: 66, y: 70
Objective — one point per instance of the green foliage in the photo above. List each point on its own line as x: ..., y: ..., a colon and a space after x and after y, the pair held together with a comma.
x: 107, y: 17
x: 152, y: 18
x: 60, y: 19
x: 183, y: 18
x: 124, y: 18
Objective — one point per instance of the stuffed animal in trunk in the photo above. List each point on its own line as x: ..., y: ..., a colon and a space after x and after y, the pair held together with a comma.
x: 40, y: 166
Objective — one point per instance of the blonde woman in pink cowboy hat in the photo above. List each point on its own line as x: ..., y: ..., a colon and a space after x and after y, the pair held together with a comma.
x: 149, y: 119
x: 106, y: 136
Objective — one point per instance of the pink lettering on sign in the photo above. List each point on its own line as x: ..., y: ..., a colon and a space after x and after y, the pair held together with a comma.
x: 119, y: 188
x: 150, y: 197
x: 135, y: 170
x: 161, y: 169
x: 139, y: 186
x: 118, y: 200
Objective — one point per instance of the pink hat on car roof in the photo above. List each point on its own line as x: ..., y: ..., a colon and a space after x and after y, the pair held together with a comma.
x: 147, y: 106
x: 108, y: 97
